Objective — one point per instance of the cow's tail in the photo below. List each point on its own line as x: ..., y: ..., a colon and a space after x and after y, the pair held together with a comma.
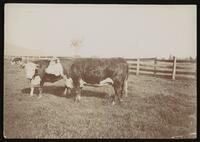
x: 127, y: 72
x: 125, y: 86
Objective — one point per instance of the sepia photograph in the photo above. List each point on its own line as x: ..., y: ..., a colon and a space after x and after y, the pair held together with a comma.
x: 100, y: 71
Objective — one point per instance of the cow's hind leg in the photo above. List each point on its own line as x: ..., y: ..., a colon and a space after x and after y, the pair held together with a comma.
x: 125, y: 88
x: 78, y: 94
x: 77, y: 90
x: 118, y: 94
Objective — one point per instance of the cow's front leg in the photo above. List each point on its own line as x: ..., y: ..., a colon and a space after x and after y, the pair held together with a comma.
x: 68, y: 85
x: 67, y: 91
x: 77, y: 92
x: 32, y: 89
x: 40, y: 90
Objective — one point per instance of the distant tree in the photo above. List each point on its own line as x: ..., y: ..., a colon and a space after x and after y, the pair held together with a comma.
x: 191, y: 59
x: 76, y: 44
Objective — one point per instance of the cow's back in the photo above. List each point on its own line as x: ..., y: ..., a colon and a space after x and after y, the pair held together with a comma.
x: 66, y: 64
x: 93, y: 70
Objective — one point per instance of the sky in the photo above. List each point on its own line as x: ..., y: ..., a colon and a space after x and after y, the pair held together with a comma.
x: 104, y: 30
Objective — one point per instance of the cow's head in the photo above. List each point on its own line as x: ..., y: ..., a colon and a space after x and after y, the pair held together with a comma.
x: 16, y: 61
x: 31, y: 69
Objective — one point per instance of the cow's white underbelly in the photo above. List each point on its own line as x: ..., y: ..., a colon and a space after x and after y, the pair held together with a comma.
x: 107, y: 81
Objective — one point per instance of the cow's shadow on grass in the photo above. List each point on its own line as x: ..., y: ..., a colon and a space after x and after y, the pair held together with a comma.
x: 58, y: 91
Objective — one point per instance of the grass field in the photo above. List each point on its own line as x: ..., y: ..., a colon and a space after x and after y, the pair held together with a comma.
x: 154, y: 108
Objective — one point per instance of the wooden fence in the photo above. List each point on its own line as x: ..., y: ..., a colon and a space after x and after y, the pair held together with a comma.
x: 173, y: 69
x: 34, y: 57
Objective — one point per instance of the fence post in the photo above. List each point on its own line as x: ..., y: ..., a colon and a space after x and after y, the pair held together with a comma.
x: 174, y: 68
x: 138, y: 66
x: 155, y: 63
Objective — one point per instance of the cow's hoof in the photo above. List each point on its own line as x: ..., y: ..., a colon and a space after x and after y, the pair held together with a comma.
x: 113, y: 103
x: 78, y: 98
x: 109, y: 95
x: 39, y: 96
x: 121, y: 100
x: 30, y: 95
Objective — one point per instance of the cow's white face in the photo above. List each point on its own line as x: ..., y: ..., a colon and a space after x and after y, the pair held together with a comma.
x: 30, y: 70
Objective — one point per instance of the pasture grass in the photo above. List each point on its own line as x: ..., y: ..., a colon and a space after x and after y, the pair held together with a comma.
x: 154, y: 108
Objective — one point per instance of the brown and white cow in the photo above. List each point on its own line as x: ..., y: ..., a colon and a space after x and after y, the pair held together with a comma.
x: 37, y: 73
x: 89, y: 71
x: 95, y: 71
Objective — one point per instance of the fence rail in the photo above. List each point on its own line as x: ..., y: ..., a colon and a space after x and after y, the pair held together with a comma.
x: 144, y: 66
x: 173, y: 68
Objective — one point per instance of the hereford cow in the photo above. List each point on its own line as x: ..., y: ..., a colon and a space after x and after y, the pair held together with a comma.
x: 41, y: 71
x: 94, y: 71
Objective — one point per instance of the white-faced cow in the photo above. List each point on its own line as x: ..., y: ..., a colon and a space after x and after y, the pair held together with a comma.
x: 41, y: 71
x: 95, y: 71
